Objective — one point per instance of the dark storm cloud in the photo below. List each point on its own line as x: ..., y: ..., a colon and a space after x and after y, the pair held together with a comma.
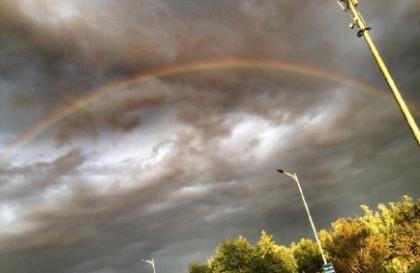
x: 204, y: 103
x: 89, y: 210
x: 66, y: 60
x: 132, y: 33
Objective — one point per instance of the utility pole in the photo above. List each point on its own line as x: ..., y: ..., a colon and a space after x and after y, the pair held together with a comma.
x: 359, y: 22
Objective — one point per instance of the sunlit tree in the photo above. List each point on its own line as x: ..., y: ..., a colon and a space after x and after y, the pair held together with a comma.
x: 307, y: 256
x: 273, y: 258
x: 197, y: 267
x: 382, y: 241
x: 234, y: 256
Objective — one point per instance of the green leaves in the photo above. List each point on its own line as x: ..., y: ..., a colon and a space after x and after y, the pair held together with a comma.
x: 355, y: 247
x: 307, y: 256
x: 196, y: 267
x: 234, y: 256
x: 385, y: 241
x: 272, y: 257
x: 239, y: 256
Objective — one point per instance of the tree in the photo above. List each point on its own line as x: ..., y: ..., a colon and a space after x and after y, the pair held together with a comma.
x: 356, y: 248
x: 415, y: 269
x: 402, y: 226
x: 197, y: 267
x: 273, y: 258
x: 234, y: 256
x: 385, y: 241
x: 307, y: 256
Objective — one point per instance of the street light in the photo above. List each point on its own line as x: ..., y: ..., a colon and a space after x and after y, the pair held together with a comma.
x: 151, y: 262
x: 295, y: 178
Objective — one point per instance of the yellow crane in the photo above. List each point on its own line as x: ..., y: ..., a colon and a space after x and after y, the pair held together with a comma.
x: 359, y: 22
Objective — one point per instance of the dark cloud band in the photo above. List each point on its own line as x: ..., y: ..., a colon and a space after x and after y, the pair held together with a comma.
x: 166, y: 71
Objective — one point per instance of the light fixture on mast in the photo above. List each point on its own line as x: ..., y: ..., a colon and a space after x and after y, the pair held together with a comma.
x: 151, y: 262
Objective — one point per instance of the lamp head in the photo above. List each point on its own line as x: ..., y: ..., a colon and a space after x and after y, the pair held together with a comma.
x: 280, y: 171
x: 147, y: 261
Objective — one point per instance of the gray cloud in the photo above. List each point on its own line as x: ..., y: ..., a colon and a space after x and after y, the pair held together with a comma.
x: 170, y: 167
x: 39, y: 176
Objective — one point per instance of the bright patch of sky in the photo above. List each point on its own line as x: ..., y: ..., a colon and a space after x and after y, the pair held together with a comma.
x: 50, y: 11
x: 255, y: 134
x: 9, y: 219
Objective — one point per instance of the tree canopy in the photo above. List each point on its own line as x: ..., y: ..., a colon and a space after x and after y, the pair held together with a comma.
x: 382, y: 241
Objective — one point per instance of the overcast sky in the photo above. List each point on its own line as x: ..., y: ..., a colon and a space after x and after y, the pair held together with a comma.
x: 169, y: 167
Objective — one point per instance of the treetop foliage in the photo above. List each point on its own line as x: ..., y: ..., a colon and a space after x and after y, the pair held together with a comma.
x: 382, y: 241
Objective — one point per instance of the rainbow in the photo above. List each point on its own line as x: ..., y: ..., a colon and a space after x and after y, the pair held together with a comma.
x: 178, y: 69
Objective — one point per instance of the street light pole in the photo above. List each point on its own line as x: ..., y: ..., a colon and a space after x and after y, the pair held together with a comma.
x: 295, y: 178
x: 358, y: 21
x: 151, y: 262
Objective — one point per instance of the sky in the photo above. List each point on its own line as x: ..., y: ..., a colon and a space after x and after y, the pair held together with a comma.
x: 153, y: 128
